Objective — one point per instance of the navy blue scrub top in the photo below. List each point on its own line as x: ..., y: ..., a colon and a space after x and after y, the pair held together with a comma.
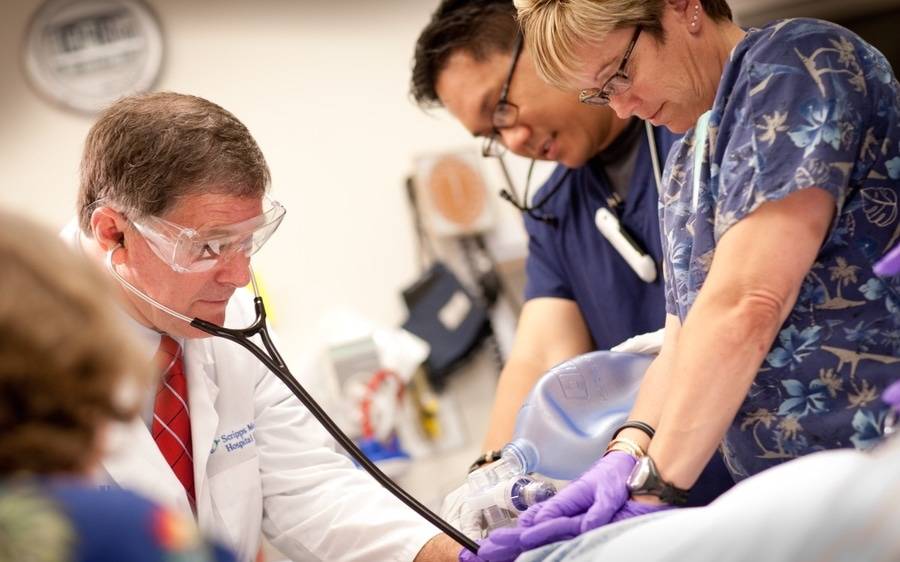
x: 573, y: 261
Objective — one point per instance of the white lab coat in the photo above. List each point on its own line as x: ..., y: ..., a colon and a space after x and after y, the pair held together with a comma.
x: 261, y: 461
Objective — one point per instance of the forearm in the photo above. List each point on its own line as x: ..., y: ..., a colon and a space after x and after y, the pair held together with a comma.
x: 440, y: 548
x: 752, y: 285
x: 654, y: 387
x: 722, y: 345
x: 516, y: 381
x: 550, y: 331
x: 649, y: 402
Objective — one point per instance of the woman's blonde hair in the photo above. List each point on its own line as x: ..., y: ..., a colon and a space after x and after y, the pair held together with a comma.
x: 555, y: 29
x: 66, y: 365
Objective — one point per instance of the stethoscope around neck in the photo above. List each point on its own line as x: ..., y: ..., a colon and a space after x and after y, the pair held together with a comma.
x: 607, y: 222
x: 274, y: 362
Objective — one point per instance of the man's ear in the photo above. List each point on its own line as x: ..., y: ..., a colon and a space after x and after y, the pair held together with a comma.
x: 108, y: 228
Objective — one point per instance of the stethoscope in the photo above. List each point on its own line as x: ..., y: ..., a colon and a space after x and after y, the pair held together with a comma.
x: 605, y: 218
x: 609, y: 225
x: 273, y: 360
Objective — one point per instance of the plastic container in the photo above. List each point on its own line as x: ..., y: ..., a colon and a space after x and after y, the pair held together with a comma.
x: 568, y: 419
x: 564, y: 426
x: 501, y: 491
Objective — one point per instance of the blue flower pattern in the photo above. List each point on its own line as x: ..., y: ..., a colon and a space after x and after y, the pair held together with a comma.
x: 803, y: 400
x: 822, y: 124
x: 794, y: 346
x: 868, y: 428
x: 801, y: 103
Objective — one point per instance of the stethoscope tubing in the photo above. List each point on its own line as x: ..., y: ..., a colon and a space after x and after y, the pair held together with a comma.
x: 275, y: 363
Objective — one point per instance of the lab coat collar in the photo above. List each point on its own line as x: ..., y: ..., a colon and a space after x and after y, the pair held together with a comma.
x: 135, y: 460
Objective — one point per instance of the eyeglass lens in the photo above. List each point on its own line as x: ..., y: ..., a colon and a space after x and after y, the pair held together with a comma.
x: 505, y: 114
x: 617, y: 84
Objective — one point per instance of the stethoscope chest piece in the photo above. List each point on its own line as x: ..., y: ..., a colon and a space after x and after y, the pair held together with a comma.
x: 640, y: 261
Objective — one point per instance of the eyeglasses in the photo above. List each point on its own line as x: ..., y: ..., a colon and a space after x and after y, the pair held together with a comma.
x: 618, y: 83
x: 505, y: 114
x: 189, y: 250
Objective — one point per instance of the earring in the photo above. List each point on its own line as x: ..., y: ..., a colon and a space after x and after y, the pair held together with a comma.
x: 695, y: 19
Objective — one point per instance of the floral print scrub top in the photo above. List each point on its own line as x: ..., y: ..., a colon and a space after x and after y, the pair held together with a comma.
x: 801, y: 103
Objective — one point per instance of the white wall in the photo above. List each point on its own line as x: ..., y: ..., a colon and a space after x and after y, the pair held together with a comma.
x: 323, y: 88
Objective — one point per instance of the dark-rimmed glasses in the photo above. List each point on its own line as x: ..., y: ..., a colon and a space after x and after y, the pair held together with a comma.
x: 505, y: 114
x: 617, y: 84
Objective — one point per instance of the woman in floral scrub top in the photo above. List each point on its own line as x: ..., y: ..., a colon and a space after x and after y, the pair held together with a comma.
x: 774, y: 207
x: 801, y: 104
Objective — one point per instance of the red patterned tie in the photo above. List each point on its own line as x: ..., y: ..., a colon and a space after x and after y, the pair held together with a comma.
x: 171, y: 415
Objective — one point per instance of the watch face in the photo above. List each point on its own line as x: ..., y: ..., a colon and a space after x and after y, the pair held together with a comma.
x: 639, y: 475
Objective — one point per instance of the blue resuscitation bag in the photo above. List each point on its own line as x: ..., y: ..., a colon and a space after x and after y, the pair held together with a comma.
x: 569, y: 418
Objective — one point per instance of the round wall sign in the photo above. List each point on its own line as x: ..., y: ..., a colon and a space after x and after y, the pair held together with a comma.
x: 457, y: 191
x: 84, y: 54
x: 454, y: 196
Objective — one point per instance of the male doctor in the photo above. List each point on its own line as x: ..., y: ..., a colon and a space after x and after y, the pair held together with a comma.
x: 173, y: 195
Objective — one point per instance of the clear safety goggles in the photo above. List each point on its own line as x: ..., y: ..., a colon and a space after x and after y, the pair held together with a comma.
x: 190, y: 250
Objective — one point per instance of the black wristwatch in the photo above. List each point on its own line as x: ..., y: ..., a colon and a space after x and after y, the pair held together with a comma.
x: 645, y: 480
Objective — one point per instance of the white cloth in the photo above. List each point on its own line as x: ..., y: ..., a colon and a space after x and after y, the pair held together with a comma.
x: 841, y: 505
x: 262, y: 462
x: 649, y: 343
x: 457, y: 511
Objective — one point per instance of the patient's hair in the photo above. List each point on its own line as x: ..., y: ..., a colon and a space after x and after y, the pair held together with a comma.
x: 66, y: 366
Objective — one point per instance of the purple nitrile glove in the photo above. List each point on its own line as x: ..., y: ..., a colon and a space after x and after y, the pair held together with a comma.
x: 501, y: 545
x: 890, y: 264
x: 565, y: 528
x: 891, y: 396
x: 597, y: 495
x: 465, y: 555
x: 634, y: 508
x: 554, y: 530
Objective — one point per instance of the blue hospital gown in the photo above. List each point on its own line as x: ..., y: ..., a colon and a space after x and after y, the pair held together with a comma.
x: 801, y: 103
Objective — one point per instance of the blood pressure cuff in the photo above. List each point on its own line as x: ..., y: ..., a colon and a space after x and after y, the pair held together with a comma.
x: 444, y: 314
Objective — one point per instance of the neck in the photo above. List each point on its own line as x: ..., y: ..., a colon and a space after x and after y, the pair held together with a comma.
x: 628, y: 131
x: 616, y: 127
x: 724, y: 38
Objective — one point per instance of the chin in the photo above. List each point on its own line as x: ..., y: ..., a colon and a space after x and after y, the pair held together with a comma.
x: 678, y: 128
x: 195, y: 334
x: 575, y: 161
x: 187, y: 331
x: 216, y: 318
x: 209, y: 311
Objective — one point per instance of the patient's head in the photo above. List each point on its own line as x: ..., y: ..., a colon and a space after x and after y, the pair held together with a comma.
x: 66, y: 367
